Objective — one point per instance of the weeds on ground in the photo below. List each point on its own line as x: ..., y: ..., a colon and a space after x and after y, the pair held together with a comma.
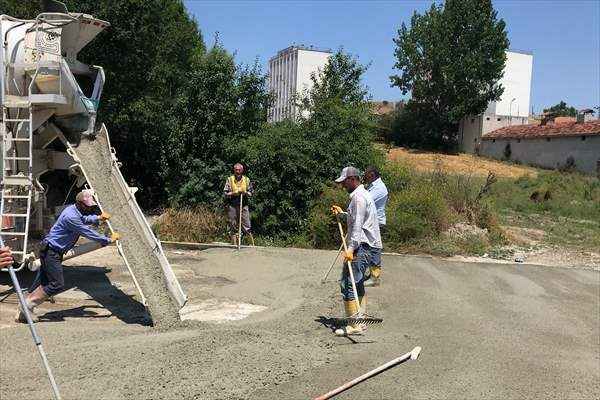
x: 200, y: 224
x: 566, y: 206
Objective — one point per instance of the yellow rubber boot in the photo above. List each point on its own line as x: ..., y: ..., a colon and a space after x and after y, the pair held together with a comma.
x: 350, y: 329
x: 374, y: 278
x: 363, y: 303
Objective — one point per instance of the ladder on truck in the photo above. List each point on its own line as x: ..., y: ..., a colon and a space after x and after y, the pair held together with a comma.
x: 18, y: 185
x: 17, y: 179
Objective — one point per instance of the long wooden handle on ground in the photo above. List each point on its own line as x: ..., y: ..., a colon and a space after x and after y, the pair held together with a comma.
x: 337, y: 217
x: 36, y: 338
x: 332, y: 264
x: 239, y: 243
x: 412, y: 355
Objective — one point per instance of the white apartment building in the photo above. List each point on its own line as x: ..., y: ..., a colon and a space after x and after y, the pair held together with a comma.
x: 512, y: 108
x: 289, y: 75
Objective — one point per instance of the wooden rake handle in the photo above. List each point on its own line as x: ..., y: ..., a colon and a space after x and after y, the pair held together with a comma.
x: 337, y: 217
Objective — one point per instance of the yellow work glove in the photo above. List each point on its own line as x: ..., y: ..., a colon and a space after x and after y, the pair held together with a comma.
x: 336, y: 209
x: 115, y: 236
x: 104, y: 216
x: 348, y: 256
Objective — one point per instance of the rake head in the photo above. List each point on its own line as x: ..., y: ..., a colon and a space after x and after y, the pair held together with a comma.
x: 358, y: 319
x: 363, y: 319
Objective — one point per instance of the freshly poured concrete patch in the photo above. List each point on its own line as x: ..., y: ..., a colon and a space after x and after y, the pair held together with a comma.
x: 218, y: 311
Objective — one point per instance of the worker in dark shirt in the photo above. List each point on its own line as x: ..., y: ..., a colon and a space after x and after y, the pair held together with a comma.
x: 73, y: 222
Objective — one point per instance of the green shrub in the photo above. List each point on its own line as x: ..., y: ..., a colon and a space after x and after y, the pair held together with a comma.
x: 397, y: 176
x: 323, y: 232
x: 417, y: 212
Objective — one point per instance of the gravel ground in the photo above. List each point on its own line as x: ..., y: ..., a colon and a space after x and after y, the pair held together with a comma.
x: 487, y: 331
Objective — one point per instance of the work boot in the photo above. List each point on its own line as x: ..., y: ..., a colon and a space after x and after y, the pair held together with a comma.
x: 363, y: 304
x: 251, y: 238
x: 351, y: 329
x: 233, y: 239
x: 374, y: 278
x: 34, y: 299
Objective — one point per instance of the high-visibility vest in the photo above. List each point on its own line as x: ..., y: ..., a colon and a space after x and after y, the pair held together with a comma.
x: 235, y: 187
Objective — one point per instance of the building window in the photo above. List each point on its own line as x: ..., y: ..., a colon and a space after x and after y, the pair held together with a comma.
x: 487, y: 118
x: 472, y: 120
x: 547, y: 139
x: 498, y: 119
x: 493, y: 140
x: 518, y: 140
x: 583, y: 138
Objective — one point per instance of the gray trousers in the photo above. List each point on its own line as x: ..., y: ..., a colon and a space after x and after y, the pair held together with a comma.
x: 233, y: 213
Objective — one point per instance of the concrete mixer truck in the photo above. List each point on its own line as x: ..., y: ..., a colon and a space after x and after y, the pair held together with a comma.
x: 52, y: 146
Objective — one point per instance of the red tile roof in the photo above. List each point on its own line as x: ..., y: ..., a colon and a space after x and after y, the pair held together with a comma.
x: 543, y: 131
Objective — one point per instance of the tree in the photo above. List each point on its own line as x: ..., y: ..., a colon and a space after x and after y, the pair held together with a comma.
x: 451, y: 59
x: 562, y: 110
x: 221, y: 105
x: 146, y: 54
x: 290, y: 161
x: 340, y: 79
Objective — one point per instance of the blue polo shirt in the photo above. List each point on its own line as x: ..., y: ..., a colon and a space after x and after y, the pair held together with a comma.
x: 69, y: 226
x: 379, y: 193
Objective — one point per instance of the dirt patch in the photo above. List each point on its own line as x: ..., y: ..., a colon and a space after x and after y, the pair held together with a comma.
x: 459, y: 164
x: 465, y: 231
x: 96, y: 161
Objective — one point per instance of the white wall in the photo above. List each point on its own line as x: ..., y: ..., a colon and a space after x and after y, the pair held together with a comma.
x: 548, y: 154
x: 282, y: 84
x: 309, y: 62
x: 289, y: 75
x: 517, y: 85
x: 472, y: 128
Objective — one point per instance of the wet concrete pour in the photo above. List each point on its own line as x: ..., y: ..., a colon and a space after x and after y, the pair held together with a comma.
x: 487, y: 331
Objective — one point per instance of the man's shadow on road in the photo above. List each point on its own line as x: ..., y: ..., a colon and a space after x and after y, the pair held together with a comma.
x: 94, y: 282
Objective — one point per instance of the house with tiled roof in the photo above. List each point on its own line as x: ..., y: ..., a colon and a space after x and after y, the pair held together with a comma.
x: 512, y: 108
x: 573, y: 144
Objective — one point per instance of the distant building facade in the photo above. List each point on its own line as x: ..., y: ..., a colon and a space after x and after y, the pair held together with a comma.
x: 573, y: 144
x: 385, y: 107
x: 511, y: 109
x: 289, y: 75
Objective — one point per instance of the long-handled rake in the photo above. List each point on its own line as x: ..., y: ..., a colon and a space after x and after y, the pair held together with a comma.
x: 239, y: 243
x: 332, y: 264
x: 359, y: 317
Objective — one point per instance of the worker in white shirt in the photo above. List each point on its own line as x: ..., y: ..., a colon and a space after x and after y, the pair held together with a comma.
x: 379, y: 193
x: 363, y: 237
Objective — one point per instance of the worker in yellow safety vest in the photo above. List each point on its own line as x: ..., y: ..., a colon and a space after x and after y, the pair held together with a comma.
x: 238, y: 185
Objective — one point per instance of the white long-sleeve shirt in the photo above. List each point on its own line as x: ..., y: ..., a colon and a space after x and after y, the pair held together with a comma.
x: 363, y: 226
x: 379, y: 193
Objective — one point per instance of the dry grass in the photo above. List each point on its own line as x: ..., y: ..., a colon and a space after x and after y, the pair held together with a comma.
x: 459, y: 164
x: 198, y: 225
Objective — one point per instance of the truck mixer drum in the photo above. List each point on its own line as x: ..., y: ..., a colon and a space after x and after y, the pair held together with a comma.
x: 49, y: 104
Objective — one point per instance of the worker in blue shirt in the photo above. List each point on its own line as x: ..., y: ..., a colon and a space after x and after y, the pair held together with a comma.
x: 379, y: 193
x: 73, y: 222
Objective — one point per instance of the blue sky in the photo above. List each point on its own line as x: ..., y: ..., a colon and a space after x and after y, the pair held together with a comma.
x: 563, y: 35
